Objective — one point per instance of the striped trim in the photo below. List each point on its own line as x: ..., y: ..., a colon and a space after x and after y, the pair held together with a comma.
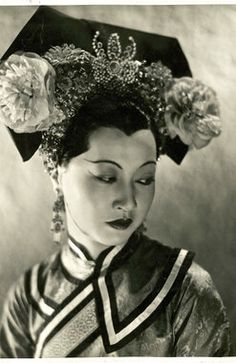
x: 78, y: 251
x: 115, y: 333
x: 112, y: 336
x: 42, y: 306
x: 76, y: 328
x: 112, y: 254
x: 59, y: 317
x: 70, y: 310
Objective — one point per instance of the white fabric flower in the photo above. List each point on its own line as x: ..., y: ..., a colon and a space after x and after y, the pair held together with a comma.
x: 27, y: 102
x: 192, y: 112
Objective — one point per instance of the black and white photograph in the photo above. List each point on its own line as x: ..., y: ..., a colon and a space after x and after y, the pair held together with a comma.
x: 117, y: 181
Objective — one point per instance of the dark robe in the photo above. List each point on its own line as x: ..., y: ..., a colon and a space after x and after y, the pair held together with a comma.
x: 140, y: 299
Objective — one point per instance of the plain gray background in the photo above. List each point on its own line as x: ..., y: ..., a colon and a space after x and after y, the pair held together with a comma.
x: 195, y: 203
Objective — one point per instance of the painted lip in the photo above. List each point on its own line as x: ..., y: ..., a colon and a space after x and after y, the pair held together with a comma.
x: 120, y: 224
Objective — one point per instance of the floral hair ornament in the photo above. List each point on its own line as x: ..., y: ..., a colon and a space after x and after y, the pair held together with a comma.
x: 27, y: 101
x: 44, y: 93
x: 192, y: 112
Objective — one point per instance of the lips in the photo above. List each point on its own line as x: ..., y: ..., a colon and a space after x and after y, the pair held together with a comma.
x: 120, y: 224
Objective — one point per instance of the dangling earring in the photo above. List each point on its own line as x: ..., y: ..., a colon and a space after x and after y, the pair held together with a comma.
x: 57, y: 224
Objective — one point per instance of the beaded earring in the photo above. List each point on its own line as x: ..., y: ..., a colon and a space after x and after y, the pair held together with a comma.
x: 57, y: 224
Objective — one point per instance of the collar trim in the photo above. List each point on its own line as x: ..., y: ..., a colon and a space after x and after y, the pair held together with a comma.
x: 72, y: 305
x: 58, y: 318
x: 116, y: 333
x: 79, y: 250
x: 38, y: 300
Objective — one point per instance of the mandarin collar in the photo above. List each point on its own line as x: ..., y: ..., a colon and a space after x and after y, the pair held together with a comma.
x: 80, y: 265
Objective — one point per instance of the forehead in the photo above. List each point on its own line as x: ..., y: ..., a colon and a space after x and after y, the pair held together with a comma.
x: 111, y: 143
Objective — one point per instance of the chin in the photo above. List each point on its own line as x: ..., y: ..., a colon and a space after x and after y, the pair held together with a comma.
x: 116, y: 238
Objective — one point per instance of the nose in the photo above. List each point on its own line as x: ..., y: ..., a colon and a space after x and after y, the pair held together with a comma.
x: 125, y: 198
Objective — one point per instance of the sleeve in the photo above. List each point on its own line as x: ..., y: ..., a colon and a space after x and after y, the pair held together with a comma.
x: 15, y: 340
x: 201, y: 327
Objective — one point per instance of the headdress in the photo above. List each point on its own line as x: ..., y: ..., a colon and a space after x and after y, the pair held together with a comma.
x: 42, y: 93
x: 50, y: 72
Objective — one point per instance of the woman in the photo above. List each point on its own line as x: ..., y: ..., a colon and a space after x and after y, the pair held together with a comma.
x: 111, y: 290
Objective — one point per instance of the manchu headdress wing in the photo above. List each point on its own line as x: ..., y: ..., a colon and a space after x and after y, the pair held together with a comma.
x: 53, y: 45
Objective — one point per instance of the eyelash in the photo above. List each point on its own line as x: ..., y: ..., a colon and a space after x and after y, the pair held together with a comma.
x: 147, y: 181
x: 107, y: 180
x: 111, y: 180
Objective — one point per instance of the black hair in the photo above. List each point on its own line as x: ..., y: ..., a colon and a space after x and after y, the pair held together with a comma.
x: 102, y: 111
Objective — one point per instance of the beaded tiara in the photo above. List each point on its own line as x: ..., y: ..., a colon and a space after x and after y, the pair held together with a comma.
x: 44, y: 93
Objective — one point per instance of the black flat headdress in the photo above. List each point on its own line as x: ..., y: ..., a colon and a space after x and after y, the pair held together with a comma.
x: 48, y: 27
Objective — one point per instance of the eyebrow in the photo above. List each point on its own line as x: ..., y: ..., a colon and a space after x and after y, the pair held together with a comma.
x: 116, y: 164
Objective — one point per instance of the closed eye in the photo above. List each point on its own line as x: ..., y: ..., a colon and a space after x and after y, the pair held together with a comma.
x: 146, y: 181
x: 105, y: 179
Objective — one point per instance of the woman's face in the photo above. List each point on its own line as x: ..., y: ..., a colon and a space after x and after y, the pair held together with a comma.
x: 108, y: 190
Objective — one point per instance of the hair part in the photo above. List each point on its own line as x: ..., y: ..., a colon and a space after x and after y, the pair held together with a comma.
x: 102, y: 111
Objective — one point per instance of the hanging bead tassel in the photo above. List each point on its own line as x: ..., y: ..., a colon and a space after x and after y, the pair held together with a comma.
x: 57, y: 224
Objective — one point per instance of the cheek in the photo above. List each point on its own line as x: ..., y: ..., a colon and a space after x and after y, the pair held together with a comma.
x: 145, y: 197
x: 85, y: 195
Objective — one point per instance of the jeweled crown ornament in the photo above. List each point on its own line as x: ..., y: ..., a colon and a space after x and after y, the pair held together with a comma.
x: 69, y: 77
x: 115, y: 62
x: 82, y: 76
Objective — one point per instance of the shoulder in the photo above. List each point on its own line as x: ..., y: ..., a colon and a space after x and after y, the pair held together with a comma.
x: 198, y: 286
x: 161, y: 255
x: 199, y: 297
x: 191, y: 282
x: 199, y: 278
x: 198, y: 307
x: 20, y: 292
x: 41, y: 270
x: 21, y: 305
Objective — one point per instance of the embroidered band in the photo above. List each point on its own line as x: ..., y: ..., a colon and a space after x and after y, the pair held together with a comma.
x: 52, y: 325
x: 74, y: 332
x: 76, y: 324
